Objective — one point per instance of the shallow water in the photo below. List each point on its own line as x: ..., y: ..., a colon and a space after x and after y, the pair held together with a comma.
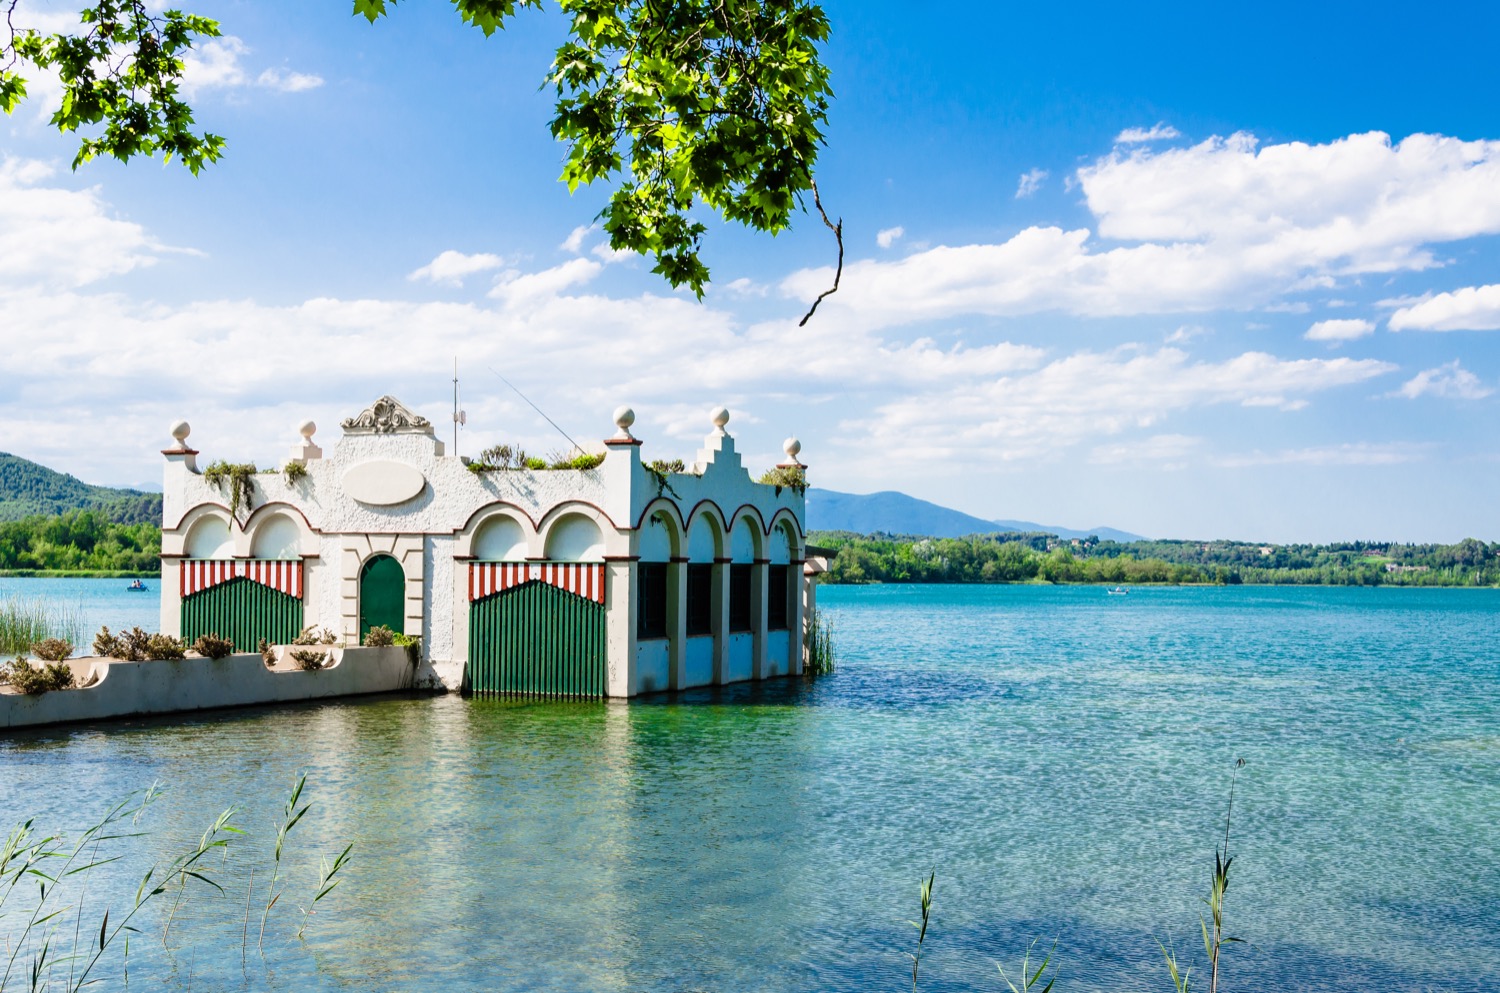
x: 1060, y: 757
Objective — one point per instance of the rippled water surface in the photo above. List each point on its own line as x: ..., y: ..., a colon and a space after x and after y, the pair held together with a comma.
x: 1061, y: 759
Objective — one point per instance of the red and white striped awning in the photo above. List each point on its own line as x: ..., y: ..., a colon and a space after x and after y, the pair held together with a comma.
x: 582, y: 579
x: 282, y: 576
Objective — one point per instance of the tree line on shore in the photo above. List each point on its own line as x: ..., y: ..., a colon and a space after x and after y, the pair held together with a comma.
x: 79, y: 541
x: 1023, y: 558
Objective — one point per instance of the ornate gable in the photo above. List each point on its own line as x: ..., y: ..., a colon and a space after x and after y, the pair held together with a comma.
x: 387, y: 416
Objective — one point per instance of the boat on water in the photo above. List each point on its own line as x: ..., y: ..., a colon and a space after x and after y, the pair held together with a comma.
x: 1118, y: 591
x: 137, y: 587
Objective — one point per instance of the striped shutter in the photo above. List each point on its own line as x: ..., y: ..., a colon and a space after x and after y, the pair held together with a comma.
x: 584, y: 579
x: 197, y: 575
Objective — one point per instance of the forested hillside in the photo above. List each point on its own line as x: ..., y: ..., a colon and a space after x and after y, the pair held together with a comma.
x: 1021, y: 558
x: 28, y: 489
x: 79, y: 540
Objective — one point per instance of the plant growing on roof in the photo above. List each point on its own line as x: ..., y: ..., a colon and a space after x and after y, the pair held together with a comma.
x: 240, y: 478
x: 293, y: 471
x: 581, y: 460
x: 660, y: 469
x: 786, y: 477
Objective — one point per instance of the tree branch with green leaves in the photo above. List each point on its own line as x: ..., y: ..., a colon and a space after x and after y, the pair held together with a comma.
x: 677, y: 105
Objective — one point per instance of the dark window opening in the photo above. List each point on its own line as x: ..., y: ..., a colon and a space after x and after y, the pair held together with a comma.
x: 777, y: 604
x: 739, y: 597
x: 651, y: 600
x: 700, y: 599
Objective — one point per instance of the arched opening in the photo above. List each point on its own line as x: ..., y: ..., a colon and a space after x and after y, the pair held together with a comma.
x: 276, y: 537
x: 500, y: 539
x: 575, y: 538
x: 382, y: 595
x: 209, y: 538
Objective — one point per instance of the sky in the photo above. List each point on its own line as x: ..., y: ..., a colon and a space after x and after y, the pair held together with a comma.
x: 1184, y: 271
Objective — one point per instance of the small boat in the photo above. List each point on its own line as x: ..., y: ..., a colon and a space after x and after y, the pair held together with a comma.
x: 137, y: 587
x: 1118, y: 591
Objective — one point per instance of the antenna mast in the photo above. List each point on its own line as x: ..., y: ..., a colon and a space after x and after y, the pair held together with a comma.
x: 460, y: 417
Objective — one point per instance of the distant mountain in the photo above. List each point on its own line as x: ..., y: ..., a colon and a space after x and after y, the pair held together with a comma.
x: 897, y: 513
x: 27, y: 488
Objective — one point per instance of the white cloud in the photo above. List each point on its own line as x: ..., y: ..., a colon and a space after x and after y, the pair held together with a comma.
x: 1159, y: 131
x: 287, y: 81
x: 574, y: 241
x: 887, y: 237
x: 1342, y: 329
x: 1030, y: 182
x: 1186, y: 333
x: 1092, y: 394
x: 1170, y: 449
x: 1450, y: 381
x: 516, y: 288
x: 451, y: 268
x: 1361, y: 453
x: 57, y: 237
x: 1473, y: 308
x: 1219, y: 224
x: 216, y: 64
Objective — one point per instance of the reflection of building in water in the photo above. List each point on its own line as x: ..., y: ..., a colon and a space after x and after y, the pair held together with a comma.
x: 612, y: 580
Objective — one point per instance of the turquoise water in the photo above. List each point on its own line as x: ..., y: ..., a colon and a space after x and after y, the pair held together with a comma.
x: 1061, y: 759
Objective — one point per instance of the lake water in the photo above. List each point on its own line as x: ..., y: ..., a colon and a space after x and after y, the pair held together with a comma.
x: 1059, y: 757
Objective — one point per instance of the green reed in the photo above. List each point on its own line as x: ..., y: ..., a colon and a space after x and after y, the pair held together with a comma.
x: 26, y: 621
x: 821, y: 657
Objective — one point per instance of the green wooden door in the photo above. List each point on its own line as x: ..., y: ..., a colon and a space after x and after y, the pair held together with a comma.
x: 536, y: 640
x: 243, y: 612
x: 382, y: 595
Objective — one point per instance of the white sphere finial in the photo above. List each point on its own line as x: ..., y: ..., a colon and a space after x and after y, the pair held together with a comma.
x: 720, y: 418
x: 791, y: 446
x: 624, y: 417
x: 307, y: 429
x: 180, y: 431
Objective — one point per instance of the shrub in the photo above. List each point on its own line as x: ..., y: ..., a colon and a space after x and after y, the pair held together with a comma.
x: 135, y: 643
x: 313, y: 635
x: 164, y: 646
x: 309, y: 660
x: 24, y: 677
x: 294, y: 471
x: 211, y: 646
x: 52, y: 649
x: 267, y: 653
x: 380, y: 636
x: 583, y: 460
x: 107, y: 645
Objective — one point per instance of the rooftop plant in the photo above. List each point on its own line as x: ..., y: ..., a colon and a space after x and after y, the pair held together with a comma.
x: 786, y: 477
x: 240, y: 478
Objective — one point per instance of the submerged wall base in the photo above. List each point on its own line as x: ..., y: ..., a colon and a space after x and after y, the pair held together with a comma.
x: 132, y: 689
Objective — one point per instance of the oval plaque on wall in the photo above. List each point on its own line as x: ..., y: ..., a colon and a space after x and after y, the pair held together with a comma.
x: 383, y: 483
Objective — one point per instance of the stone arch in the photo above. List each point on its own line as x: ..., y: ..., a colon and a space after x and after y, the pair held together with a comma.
x: 660, y: 534
x: 487, y: 517
x: 276, y: 536
x: 573, y: 537
x: 500, y: 538
x: 209, y: 537
x: 784, y: 545
x: 705, y: 533
x: 746, y: 536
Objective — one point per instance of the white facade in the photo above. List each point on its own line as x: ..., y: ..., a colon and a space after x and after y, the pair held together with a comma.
x: 388, y: 489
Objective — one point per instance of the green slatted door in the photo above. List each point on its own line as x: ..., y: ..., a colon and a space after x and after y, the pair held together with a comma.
x: 382, y: 595
x: 536, y: 640
x: 243, y: 611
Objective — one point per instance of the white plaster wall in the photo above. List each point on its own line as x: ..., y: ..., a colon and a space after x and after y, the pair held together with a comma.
x: 698, y: 669
x: 652, y: 672
x: 741, y: 657
x: 168, y: 686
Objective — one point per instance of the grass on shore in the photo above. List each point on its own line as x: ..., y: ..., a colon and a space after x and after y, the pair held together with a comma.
x: 24, y: 622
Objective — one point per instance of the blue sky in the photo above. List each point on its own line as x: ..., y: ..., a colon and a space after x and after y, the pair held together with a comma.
x: 1183, y: 271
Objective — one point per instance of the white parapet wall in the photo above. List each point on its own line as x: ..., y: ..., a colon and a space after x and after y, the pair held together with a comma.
x: 134, y: 689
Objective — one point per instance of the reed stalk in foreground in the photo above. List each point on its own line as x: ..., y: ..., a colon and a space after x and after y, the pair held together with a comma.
x: 1029, y: 976
x: 1214, y: 938
x: 921, y: 926
x: 821, y: 657
x: 289, y: 820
